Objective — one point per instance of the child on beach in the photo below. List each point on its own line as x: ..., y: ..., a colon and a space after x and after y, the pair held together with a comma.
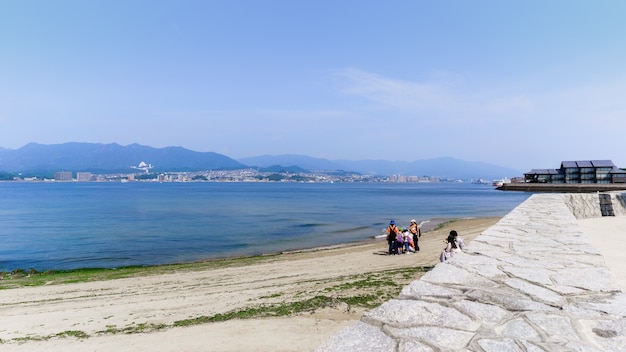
x: 400, y: 242
x: 408, y: 241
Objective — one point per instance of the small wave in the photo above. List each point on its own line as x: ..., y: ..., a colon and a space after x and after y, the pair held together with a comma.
x: 352, y: 229
x: 304, y: 226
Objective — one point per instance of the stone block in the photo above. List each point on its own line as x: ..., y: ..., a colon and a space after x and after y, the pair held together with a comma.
x: 358, y: 337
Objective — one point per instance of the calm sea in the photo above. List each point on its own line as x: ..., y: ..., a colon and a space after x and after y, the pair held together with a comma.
x: 78, y: 225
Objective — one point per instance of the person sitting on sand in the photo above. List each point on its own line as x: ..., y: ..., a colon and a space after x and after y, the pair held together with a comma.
x: 451, y: 248
x: 392, y: 233
x: 458, y: 240
x: 415, y: 233
x: 408, y: 241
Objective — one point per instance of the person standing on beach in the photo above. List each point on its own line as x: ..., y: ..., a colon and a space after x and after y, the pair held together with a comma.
x: 415, y: 231
x: 392, y: 234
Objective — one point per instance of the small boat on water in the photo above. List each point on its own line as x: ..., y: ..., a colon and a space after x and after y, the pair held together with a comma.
x: 500, y: 182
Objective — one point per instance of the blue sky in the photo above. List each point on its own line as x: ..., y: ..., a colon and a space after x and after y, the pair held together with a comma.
x: 523, y: 84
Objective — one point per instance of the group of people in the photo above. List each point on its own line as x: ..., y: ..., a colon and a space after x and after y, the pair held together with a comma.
x: 454, y: 244
x: 404, y: 240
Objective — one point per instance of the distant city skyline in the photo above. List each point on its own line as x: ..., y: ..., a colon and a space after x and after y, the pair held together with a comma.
x: 518, y: 84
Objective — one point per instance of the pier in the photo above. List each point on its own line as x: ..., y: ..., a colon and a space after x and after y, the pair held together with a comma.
x: 563, y: 187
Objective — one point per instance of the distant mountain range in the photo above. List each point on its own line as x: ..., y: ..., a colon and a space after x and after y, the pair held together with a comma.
x: 108, y: 158
x: 36, y: 158
x: 442, y: 167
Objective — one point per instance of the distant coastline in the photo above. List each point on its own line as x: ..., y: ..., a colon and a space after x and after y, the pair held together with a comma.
x: 42, y: 160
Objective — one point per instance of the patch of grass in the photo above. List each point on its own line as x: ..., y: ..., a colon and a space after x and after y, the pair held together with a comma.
x: 366, y: 290
x: 275, y: 295
x: 273, y: 310
x: 367, y: 301
x: 362, y: 290
x: 133, y: 329
x: 141, y: 328
x: 22, y: 278
x: 373, y: 289
x: 395, y: 278
x: 64, y: 334
x: 30, y: 338
x: 73, y: 333
x: 110, y: 329
x: 443, y: 224
x: 285, y: 309
x: 361, y: 284
x: 410, y: 272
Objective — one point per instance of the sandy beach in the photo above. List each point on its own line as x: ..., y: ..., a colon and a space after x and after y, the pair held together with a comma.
x: 165, y: 312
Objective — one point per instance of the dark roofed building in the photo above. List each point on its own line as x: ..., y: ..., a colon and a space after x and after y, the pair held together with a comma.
x: 582, y: 171
x: 544, y: 176
x: 618, y: 176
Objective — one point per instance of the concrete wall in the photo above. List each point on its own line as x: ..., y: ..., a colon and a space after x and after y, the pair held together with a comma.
x: 533, y: 282
x: 587, y: 205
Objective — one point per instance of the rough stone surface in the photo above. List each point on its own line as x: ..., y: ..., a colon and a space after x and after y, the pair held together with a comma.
x: 359, y: 337
x: 532, y: 282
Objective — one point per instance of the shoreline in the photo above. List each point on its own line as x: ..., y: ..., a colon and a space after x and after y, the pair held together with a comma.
x: 183, y: 307
x: 428, y: 226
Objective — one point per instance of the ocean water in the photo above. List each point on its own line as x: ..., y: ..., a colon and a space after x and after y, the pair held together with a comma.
x: 78, y: 225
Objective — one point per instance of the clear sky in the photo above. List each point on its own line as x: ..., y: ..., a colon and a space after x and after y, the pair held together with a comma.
x: 522, y: 84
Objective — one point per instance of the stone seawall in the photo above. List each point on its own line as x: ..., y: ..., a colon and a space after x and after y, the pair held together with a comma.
x: 532, y: 282
x: 563, y: 187
x: 592, y: 205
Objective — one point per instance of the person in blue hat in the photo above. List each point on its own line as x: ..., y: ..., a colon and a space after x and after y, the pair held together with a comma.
x: 392, y: 234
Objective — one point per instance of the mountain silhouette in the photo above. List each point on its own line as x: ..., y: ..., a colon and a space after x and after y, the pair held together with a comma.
x: 108, y: 158
x: 114, y: 158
